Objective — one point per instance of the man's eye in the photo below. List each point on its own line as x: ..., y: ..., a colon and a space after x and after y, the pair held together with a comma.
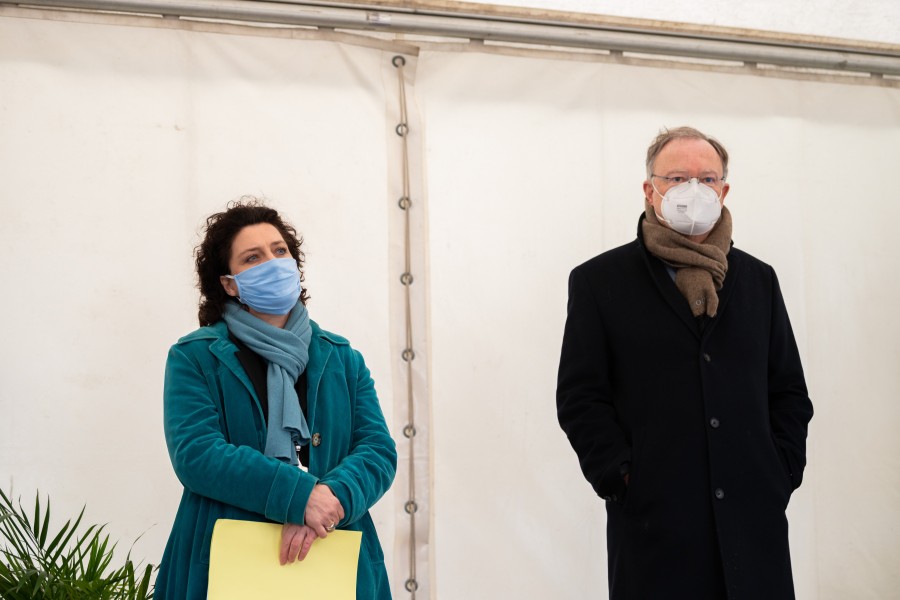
x: 709, y: 180
x: 677, y: 179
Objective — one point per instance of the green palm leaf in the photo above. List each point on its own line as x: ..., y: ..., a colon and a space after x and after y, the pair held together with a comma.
x: 74, y: 564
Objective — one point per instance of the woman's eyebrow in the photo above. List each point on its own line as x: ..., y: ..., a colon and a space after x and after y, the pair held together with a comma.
x: 253, y: 249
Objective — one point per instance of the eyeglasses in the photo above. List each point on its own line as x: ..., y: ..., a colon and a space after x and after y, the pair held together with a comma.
x: 710, y: 180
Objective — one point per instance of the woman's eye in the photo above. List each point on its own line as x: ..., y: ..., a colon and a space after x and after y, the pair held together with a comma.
x: 281, y: 251
x: 250, y: 258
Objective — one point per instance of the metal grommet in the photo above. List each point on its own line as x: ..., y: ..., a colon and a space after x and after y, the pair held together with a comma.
x: 409, y: 431
x: 398, y: 61
x: 411, y: 585
x: 402, y: 129
x: 404, y: 202
x: 408, y: 354
x: 406, y: 278
x: 411, y: 507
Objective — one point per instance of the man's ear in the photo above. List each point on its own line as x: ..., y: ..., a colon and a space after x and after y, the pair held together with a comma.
x: 648, y: 192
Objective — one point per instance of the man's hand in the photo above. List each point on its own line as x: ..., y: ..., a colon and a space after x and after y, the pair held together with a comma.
x: 323, y: 510
x: 296, y: 541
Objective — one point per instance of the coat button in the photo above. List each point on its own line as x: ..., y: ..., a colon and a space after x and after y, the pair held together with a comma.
x: 714, y: 423
x: 707, y: 357
x: 317, y: 439
x: 720, y: 493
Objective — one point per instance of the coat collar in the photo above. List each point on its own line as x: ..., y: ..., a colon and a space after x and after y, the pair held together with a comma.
x: 321, y: 346
x: 673, y: 297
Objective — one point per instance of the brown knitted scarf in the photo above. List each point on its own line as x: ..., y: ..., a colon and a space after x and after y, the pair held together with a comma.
x: 700, y: 268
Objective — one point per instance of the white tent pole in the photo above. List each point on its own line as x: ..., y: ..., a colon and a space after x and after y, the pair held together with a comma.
x: 497, y: 29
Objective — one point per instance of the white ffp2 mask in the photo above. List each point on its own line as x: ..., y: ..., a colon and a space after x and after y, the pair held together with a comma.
x: 690, y: 208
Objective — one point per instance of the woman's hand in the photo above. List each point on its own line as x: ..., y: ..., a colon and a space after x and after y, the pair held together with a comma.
x: 323, y: 510
x: 296, y: 541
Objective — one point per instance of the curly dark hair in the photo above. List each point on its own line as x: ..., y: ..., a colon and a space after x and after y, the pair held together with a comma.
x: 214, y: 252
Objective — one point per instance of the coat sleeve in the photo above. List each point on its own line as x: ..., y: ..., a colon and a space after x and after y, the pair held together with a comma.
x: 366, y: 473
x: 208, y: 465
x: 584, y: 400
x: 790, y: 408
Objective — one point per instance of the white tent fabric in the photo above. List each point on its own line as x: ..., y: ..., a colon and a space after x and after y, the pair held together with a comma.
x: 116, y: 141
x: 871, y: 21
x: 549, y: 177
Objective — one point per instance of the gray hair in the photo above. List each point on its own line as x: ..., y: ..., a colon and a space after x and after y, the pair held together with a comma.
x: 679, y: 133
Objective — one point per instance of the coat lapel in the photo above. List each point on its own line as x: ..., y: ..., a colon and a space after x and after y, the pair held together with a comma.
x: 224, y: 350
x: 734, y: 268
x: 319, y: 352
x: 669, y: 291
x: 664, y: 283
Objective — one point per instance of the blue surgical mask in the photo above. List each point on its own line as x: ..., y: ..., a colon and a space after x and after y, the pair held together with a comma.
x: 271, y: 288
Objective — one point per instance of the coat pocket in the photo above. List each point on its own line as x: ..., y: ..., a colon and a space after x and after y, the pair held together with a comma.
x: 206, y: 541
x: 372, y: 582
x: 783, y: 467
x: 631, y: 490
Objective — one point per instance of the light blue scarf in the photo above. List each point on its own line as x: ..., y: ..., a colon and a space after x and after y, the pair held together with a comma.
x: 287, y: 352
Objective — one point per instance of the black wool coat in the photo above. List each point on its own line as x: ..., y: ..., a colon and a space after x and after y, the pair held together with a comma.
x: 708, y: 417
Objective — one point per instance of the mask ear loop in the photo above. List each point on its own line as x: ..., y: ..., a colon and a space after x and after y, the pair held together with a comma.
x: 234, y: 279
x: 659, y: 217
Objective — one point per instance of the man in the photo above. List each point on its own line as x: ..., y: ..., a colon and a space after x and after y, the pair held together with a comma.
x: 681, y: 390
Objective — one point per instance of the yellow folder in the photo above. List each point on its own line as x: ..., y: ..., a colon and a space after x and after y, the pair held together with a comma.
x: 244, y: 564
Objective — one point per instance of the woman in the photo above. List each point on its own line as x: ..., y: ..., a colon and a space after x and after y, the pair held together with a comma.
x: 267, y: 416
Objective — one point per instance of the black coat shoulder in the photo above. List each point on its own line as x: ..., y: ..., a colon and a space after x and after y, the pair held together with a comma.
x: 612, y: 259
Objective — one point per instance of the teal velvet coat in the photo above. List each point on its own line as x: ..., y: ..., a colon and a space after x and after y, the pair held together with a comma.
x: 216, y: 433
